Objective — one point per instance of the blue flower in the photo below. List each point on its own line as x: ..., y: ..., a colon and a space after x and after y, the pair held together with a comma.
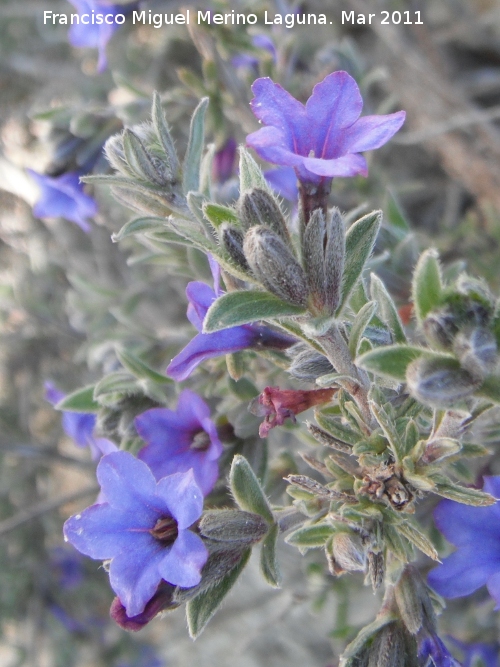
x: 487, y: 655
x: 476, y: 533
x: 63, y: 196
x: 95, y: 35
x: 143, y: 529
x: 433, y: 653
x: 79, y: 426
x: 181, y: 440
x: 205, y: 346
x: 284, y: 182
x: 324, y: 137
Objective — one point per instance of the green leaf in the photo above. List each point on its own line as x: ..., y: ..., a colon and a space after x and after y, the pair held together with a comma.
x: 163, y: 133
x: 191, y: 231
x: 391, y: 361
x: 334, y: 427
x: 427, y: 288
x: 218, y: 214
x: 311, y: 537
x: 490, y: 389
x: 396, y: 544
x: 461, y: 494
x: 359, y: 325
x: 387, y: 309
x: 247, y: 490
x: 268, y: 562
x: 395, y: 215
x: 139, y: 226
x: 365, y: 635
x: 251, y: 175
x: 119, y: 383
x: 389, y: 430
x: 359, y: 242
x: 192, y: 160
x: 81, y: 400
x: 418, y: 539
x: 141, y: 370
x: 200, y: 609
x: 138, y: 159
x: 237, y: 308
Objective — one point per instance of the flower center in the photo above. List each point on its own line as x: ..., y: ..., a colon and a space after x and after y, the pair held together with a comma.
x: 201, y: 441
x: 165, y: 531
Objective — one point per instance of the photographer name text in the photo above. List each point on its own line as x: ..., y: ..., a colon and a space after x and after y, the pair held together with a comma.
x: 207, y: 17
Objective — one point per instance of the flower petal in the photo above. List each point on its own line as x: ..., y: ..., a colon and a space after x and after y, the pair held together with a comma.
x: 371, y: 132
x: 463, y: 525
x: 102, y: 532
x: 183, y: 498
x: 200, y: 297
x: 272, y: 145
x: 165, y: 430
x: 348, y: 165
x: 274, y: 106
x: 335, y: 104
x: 128, y: 485
x: 493, y: 585
x: 464, y: 572
x: 134, y: 575
x: 182, y: 565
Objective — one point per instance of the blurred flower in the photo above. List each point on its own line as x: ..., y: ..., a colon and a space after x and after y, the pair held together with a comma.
x: 476, y: 533
x: 67, y: 566
x: 284, y: 182
x: 277, y: 404
x: 79, y: 426
x: 205, y: 346
x: 95, y: 35
x: 63, y: 196
x: 180, y: 440
x: 479, y: 655
x: 250, y: 61
x: 433, y: 653
x: 224, y: 161
x: 142, y: 529
x: 325, y: 137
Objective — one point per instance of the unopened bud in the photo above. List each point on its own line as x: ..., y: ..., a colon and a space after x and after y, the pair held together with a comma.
x: 334, y: 260
x: 162, y: 600
x: 440, y: 448
x: 477, y: 350
x: 440, y: 328
x: 233, y: 526
x: 275, y: 266
x: 258, y: 207
x: 388, y: 648
x: 349, y: 553
x: 140, y: 161
x: 408, y: 593
x: 439, y: 382
x: 308, y: 364
x: 313, y: 248
x: 232, y: 240
x: 376, y: 568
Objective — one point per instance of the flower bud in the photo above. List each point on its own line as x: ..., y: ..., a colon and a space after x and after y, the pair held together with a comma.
x: 440, y: 328
x: 313, y: 248
x: 334, y: 260
x: 308, y: 364
x: 477, y: 350
x: 347, y: 554
x: 439, y: 382
x: 440, y: 448
x: 275, y: 266
x: 232, y: 240
x: 233, y: 526
x: 376, y: 568
x: 388, y: 648
x: 162, y: 600
x: 258, y: 207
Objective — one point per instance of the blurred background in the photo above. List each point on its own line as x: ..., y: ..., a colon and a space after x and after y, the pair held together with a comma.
x: 68, y: 294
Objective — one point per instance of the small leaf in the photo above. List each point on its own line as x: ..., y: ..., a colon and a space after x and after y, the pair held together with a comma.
x: 118, y: 382
x: 461, y: 494
x: 387, y: 309
x: 251, y: 175
x: 365, y: 635
x: 427, y: 288
x: 391, y: 361
x: 191, y: 232
x: 418, y: 539
x: 268, y: 562
x: 247, y: 490
x: 359, y: 242
x: 163, y: 133
x: 311, y: 537
x: 395, y: 215
x: 141, y: 370
x: 334, y: 427
x: 389, y: 430
x: 359, y: 325
x: 192, y: 160
x: 200, y: 609
x: 218, y: 214
x: 81, y: 400
x: 237, y: 308
x: 138, y: 158
x: 396, y: 544
x: 139, y: 226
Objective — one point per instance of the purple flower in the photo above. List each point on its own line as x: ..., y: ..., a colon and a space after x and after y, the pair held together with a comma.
x: 205, y: 346
x: 324, y: 137
x: 224, y: 161
x: 142, y: 529
x: 476, y: 533
x: 67, y: 566
x: 284, y: 182
x: 95, y: 35
x: 79, y: 426
x: 488, y: 654
x: 180, y: 440
x: 433, y: 653
x: 63, y: 196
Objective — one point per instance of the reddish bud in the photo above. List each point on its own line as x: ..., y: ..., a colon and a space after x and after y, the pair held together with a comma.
x: 161, y: 600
